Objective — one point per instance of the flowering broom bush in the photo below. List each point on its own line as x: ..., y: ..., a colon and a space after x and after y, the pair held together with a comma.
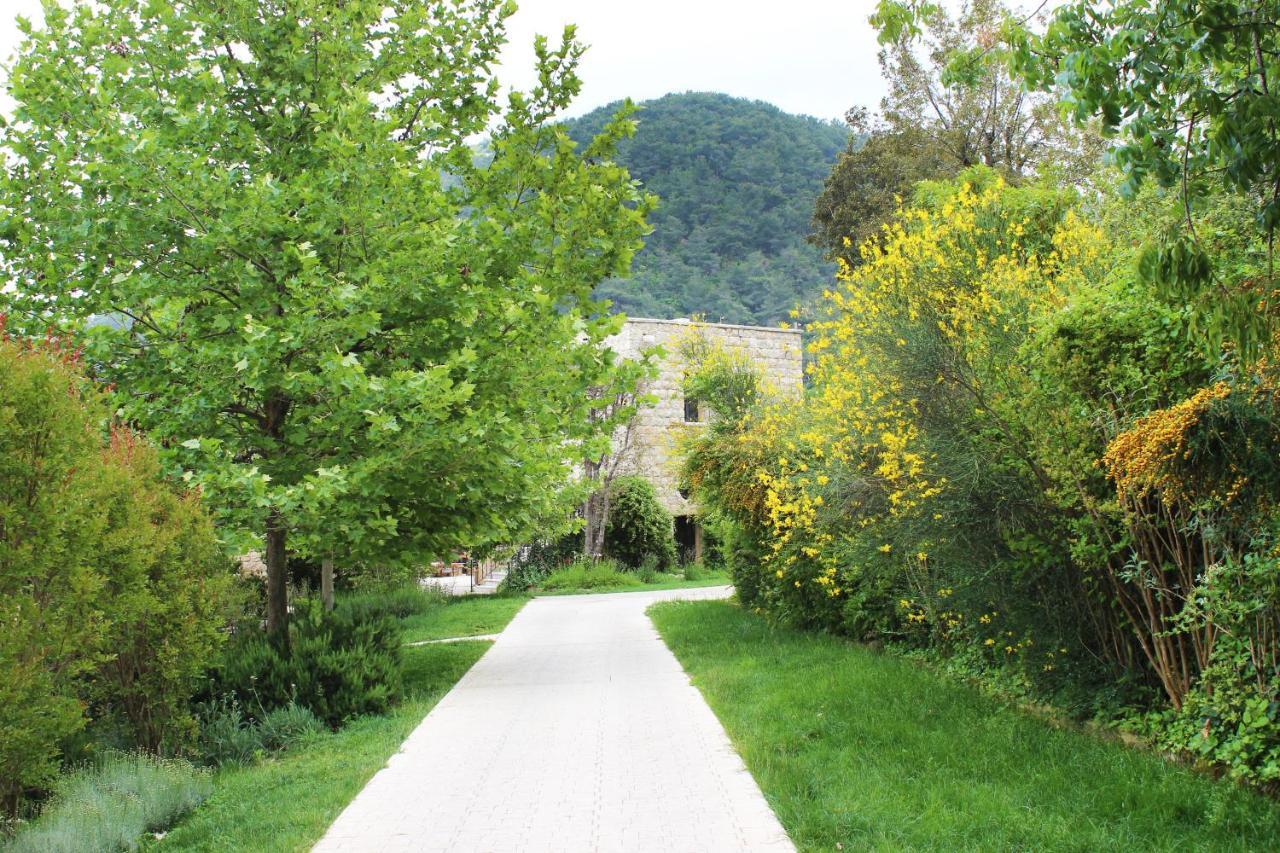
x: 1012, y: 453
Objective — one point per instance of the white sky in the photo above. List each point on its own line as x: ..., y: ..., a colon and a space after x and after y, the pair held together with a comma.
x: 816, y: 57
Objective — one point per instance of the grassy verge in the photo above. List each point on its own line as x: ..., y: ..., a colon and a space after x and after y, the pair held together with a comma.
x: 287, y: 803
x: 870, y: 751
x: 463, y: 616
x: 662, y: 581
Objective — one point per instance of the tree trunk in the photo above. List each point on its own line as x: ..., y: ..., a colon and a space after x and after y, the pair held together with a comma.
x: 277, y: 577
x: 326, y: 582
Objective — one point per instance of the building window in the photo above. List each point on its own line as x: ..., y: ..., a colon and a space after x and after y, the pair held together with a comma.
x: 691, y: 410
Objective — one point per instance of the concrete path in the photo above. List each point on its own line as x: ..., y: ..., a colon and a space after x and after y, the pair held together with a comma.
x: 577, y: 731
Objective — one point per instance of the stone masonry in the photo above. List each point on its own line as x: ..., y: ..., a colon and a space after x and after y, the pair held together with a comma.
x: 651, y: 448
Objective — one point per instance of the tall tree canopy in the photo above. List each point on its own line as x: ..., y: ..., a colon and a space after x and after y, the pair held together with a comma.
x: 345, y: 349
x: 737, y: 180
x: 934, y: 125
x: 1187, y: 93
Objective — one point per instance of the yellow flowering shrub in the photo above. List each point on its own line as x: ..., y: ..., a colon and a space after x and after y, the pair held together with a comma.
x: 844, y: 490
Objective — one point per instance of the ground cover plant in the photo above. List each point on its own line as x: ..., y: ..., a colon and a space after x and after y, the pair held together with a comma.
x: 112, y: 804
x: 339, y: 664
x: 862, y: 750
x: 288, y: 801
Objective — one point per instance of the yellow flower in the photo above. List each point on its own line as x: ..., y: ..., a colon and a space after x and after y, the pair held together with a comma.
x: 885, y: 548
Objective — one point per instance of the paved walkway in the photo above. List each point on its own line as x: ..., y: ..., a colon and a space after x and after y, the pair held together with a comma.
x: 577, y: 731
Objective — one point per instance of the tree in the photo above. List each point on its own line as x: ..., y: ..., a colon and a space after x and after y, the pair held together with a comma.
x: 1186, y: 91
x: 353, y: 335
x: 933, y: 125
x: 1190, y: 93
x: 984, y: 119
x: 603, y: 463
x: 868, y: 184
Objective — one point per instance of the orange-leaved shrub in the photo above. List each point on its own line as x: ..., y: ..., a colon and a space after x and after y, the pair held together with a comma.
x: 112, y: 583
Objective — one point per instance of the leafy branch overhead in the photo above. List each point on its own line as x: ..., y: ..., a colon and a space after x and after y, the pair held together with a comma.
x: 1187, y: 91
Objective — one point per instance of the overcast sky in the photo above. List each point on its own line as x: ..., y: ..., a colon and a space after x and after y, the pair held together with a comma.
x: 816, y: 57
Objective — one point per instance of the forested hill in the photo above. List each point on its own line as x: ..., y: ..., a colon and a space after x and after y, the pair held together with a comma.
x: 737, y: 181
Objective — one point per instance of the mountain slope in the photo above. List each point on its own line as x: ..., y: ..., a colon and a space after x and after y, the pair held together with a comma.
x: 737, y: 181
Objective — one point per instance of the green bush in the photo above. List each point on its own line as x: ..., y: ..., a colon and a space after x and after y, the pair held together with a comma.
x: 638, y: 525
x: 1232, y: 717
x: 112, y: 589
x: 587, y: 575
x: 111, y: 806
x: 227, y: 736
x: 283, y: 727
x: 407, y: 599
x: 534, y: 561
x: 338, y: 665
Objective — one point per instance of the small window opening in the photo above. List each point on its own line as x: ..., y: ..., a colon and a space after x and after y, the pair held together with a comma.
x: 691, y: 410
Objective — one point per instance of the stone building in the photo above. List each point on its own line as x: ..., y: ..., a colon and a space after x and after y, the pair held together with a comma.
x: 650, y: 446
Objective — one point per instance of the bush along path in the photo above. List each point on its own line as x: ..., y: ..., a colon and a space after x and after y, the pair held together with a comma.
x: 860, y: 750
x: 283, y: 777
x: 583, y: 714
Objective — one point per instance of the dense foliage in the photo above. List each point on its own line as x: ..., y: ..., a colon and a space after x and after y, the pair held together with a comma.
x: 1013, y: 453
x: 267, y: 220
x: 639, y: 527
x: 112, y: 586
x: 1187, y: 92
x: 737, y: 180
x: 339, y: 664
x: 932, y: 125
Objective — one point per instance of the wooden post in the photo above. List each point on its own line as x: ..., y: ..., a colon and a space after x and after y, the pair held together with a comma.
x: 697, y: 542
x: 326, y: 582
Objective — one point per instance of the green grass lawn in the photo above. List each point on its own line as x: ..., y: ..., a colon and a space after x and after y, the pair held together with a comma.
x: 870, y: 751
x: 662, y: 581
x: 287, y: 803
x: 463, y: 616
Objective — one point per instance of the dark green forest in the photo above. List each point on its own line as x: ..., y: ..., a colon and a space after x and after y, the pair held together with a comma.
x: 737, y: 181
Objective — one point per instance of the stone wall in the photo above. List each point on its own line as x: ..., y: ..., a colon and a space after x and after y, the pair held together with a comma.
x: 651, y: 449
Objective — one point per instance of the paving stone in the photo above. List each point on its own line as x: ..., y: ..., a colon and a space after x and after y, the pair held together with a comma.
x: 577, y: 731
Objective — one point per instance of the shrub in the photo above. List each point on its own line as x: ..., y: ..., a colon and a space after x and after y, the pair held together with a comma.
x: 283, y: 727
x: 111, y: 585
x: 111, y: 806
x: 403, y: 600
x: 638, y: 525
x: 227, y: 736
x: 586, y: 575
x: 648, y: 571
x: 533, y: 562
x: 338, y: 665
